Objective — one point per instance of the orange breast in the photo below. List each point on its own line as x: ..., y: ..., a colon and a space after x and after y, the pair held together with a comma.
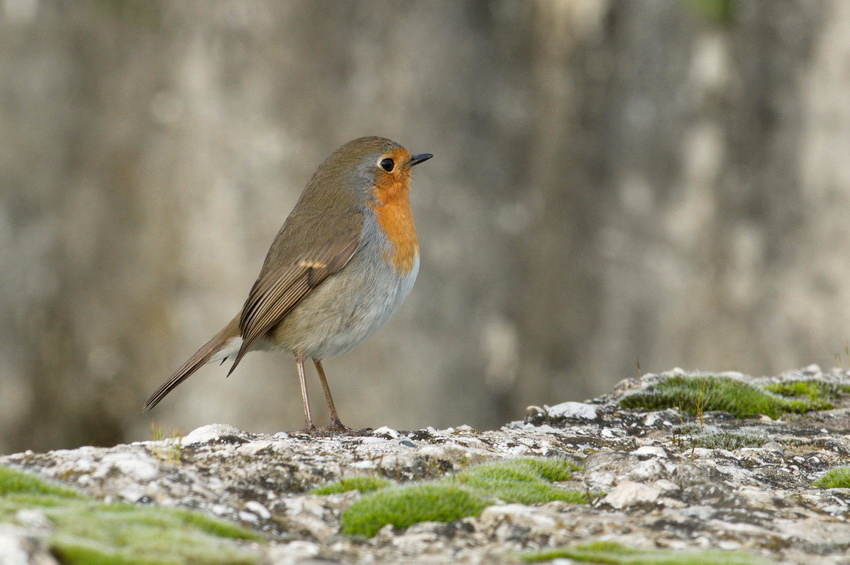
x: 395, y: 217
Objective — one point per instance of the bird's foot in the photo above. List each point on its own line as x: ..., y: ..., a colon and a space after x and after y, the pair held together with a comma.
x: 336, y: 426
x: 309, y: 429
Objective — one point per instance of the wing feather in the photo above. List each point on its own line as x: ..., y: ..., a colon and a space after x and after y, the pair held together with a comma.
x: 279, y: 290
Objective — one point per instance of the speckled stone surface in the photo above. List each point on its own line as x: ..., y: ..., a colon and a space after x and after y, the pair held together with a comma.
x: 651, y: 486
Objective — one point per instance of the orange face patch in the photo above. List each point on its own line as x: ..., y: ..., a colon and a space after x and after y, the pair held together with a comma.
x: 393, y: 211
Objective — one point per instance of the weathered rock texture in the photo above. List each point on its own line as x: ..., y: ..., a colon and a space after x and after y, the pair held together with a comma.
x: 653, y: 487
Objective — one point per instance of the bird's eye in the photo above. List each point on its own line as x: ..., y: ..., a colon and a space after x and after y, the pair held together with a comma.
x: 387, y: 164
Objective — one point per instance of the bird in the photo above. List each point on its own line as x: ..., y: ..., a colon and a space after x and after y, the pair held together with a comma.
x: 344, y: 260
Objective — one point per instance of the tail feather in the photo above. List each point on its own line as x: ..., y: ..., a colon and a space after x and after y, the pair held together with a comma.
x: 201, y: 357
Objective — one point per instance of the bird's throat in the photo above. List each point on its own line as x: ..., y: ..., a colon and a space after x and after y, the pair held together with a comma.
x: 393, y: 213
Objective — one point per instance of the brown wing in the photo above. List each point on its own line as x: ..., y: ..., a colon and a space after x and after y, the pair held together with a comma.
x: 277, y: 291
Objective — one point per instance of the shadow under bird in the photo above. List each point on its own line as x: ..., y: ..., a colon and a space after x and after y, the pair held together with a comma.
x: 344, y: 260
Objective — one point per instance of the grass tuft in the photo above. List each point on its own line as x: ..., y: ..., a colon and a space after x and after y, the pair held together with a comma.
x: 170, y: 452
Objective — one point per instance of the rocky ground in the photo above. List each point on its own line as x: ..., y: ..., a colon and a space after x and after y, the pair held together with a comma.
x: 662, y: 479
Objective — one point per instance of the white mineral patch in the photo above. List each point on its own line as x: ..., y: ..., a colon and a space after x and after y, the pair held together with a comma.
x: 573, y: 410
x: 205, y: 434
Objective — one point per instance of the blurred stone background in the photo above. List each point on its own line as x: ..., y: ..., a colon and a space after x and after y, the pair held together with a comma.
x: 663, y: 183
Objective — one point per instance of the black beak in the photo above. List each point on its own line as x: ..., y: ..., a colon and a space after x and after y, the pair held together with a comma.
x: 416, y: 159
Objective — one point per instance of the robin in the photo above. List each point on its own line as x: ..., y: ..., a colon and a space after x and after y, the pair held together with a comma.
x: 344, y: 260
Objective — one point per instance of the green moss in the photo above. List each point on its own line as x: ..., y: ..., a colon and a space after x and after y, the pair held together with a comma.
x: 727, y: 440
x: 15, y: 482
x: 88, y: 531
x: 210, y: 525
x: 617, y: 554
x: 834, y: 478
x: 697, y: 395
x: 362, y: 484
x: 815, y: 391
x: 407, y: 505
x: 85, y: 551
x: 527, y: 481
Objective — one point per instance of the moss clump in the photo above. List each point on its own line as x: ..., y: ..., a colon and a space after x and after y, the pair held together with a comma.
x: 362, y: 484
x: 834, y: 478
x: 728, y: 441
x: 697, y: 395
x: 527, y: 481
x: 407, y: 505
x: 617, y: 554
x: 15, y: 482
x: 815, y: 391
x: 87, y: 531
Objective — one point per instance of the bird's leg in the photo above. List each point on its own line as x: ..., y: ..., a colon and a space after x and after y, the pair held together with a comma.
x: 308, y: 418
x: 336, y: 425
